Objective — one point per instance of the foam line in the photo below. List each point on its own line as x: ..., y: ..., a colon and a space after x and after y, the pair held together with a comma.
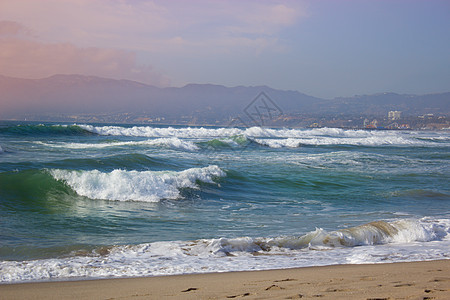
x: 401, y: 240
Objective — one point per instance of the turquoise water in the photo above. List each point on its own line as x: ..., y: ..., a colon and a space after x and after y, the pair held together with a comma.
x: 94, y: 201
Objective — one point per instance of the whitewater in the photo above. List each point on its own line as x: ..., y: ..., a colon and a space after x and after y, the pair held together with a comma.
x: 87, y: 201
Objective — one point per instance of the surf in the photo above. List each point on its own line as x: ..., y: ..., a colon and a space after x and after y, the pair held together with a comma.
x: 44, y: 130
x: 146, y: 186
x: 398, y: 240
x: 173, y: 142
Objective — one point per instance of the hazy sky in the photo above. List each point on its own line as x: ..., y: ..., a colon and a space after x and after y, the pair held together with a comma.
x: 324, y: 48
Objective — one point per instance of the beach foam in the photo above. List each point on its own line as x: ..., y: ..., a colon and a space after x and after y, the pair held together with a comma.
x: 401, y: 240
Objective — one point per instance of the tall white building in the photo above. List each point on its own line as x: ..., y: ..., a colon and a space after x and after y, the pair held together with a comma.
x: 394, y: 115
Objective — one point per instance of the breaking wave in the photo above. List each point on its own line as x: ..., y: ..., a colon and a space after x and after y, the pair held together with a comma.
x: 325, y: 141
x: 172, y: 142
x: 201, y: 132
x: 148, y: 131
x: 275, y: 138
x: 148, y: 186
x: 42, y: 130
x: 396, y: 241
x: 227, y: 142
x: 374, y: 233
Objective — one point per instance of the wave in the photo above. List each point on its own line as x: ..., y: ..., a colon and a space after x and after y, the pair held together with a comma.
x: 374, y: 233
x: 44, y: 130
x: 436, y: 138
x: 227, y: 142
x: 242, y: 141
x: 325, y: 141
x: 130, y: 161
x: 195, y: 132
x: 277, y: 138
x: 148, y: 131
x: 35, y: 187
x: 174, y: 143
x: 422, y: 194
x: 380, y: 241
x: 225, y: 137
x: 32, y: 187
x: 148, y: 186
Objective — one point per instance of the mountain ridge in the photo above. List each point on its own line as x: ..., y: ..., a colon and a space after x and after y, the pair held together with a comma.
x: 82, y: 94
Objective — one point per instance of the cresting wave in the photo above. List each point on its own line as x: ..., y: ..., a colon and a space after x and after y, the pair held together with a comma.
x: 242, y: 141
x: 42, y: 129
x: 276, y: 138
x: 173, y: 142
x: 319, y: 136
x: 148, y: 186
x: 326, y: 141
x: 196, y: 132
x: 229, y: 137
x: 374, y: 233
x: 227, y: 142
x: 380, y: 241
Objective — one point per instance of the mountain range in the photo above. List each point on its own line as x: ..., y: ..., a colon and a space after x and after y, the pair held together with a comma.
x: 79, y: 94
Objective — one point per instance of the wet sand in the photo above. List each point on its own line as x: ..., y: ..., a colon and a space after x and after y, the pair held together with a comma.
x: 412, y: 280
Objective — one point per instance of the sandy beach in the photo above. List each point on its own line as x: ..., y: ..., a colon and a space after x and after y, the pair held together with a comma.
x: 412, y: 280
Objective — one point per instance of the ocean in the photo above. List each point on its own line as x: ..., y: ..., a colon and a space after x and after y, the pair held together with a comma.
x: 88, y: 201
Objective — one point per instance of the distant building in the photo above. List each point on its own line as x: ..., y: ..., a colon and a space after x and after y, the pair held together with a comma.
x: 371, y: 125
x: 393, y: 126
x: 394, y: 115
x: 366, y: 122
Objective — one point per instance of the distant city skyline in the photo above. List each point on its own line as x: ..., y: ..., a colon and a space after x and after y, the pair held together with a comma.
x: 323, y: 48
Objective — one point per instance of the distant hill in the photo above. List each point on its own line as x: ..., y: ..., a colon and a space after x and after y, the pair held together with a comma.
x: 383, y: 102
x: 79, y: 94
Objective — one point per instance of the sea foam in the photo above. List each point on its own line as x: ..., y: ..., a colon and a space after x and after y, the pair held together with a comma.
x: 148, y: 186
x: 324, y: 141
x: 147, y: 131
x: 380, y: 242
x: 276, y: 138
x: 201, y: 132
x: 173, y: 142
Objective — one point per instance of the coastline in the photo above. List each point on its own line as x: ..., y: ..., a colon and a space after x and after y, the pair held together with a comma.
x: 405, y: 280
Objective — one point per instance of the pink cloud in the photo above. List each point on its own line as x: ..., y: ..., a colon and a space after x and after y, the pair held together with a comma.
x: 30, y: 59
x: 101, y: 37
x: 151, y: 25
x: 265, y: 19
x: 11, y: 28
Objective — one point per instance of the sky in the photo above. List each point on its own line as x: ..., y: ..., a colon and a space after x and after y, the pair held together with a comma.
x: 324, y: 48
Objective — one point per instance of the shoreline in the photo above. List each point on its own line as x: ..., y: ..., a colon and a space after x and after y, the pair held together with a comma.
x: 405, y: 280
